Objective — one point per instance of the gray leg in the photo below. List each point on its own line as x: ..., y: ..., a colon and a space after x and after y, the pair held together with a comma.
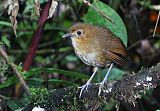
x: 105, y: 79
x: 88, y: 82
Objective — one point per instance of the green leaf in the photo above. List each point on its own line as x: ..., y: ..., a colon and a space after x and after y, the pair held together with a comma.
x: 8, y: 82
x: 35, y: 82
x: 3, y: 23
x: 6, y: 41
x: 59, y: 71
x: 16, y: 104
x: 1, y: 43
x: 115, y: 74
x: 55, y: 81
x: 117, y: 27
x: 61, y: 82
x: 38, y: 71
x: 71, y: 58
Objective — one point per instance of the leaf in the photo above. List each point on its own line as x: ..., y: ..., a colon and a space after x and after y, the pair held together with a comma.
x: 71, y: 58
x: 61, y: 82
x: 8, y: 82
x: 6, y: 41
x: 35, y: 81
x: 13, y: 104
x: 1, y: 43
x: 13, y: 9
x: 52, y: 8
x: 3, y: 23
x: 117, y: 27
x: 37, y: 7
x: 3, y: 5
x: 16, y: 104
x: 37, y: 71
x: 115, y: 74
x: 59, y: 71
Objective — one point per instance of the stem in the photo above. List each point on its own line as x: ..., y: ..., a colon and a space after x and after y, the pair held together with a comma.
x: 156, y: 24
x: 14, y: 67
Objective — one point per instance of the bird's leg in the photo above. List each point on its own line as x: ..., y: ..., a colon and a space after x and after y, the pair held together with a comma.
x: 88, y: 82
x: 105, y: 79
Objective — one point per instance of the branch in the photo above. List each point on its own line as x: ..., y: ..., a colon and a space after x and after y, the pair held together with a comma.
x: 126, y: 89
x: 14, y: 67
x: 155, y: 28
x: 37, y: 36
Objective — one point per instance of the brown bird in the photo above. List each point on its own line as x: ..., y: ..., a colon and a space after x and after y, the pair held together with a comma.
x: 96, y: 46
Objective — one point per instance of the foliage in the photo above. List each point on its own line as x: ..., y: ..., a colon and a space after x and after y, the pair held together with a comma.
x: 38, y: 96
x: 117, y: 27
x: 38, y: 71
x: 55, y: 65
x: 3, y: 66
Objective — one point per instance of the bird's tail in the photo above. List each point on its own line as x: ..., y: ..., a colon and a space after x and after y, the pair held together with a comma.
x: 130, y: 65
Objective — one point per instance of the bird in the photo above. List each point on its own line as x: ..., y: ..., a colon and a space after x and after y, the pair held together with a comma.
x: 98, y: 47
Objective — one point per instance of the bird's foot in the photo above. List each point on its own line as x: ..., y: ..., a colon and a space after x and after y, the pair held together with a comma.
x: 100, y: 87
x: 84, y: 87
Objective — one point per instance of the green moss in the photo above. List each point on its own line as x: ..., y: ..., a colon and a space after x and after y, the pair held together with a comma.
x: 39, y: 96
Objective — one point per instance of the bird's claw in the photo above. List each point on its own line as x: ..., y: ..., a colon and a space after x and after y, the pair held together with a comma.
x: 84, y: 87
x: 100, y: 88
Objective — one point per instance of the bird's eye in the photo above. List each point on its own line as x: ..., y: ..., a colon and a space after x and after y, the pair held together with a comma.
x: 79, y: 32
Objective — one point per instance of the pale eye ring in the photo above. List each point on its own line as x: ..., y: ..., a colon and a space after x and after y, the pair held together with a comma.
x: 79, y: 32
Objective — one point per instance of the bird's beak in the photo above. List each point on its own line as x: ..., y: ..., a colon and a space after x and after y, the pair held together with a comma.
x: 68, y: 35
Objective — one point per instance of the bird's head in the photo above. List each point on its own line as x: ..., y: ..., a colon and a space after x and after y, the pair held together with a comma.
x: 79, y: 30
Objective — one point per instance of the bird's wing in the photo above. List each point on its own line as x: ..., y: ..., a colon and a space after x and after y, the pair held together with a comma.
x: 111, y: 42
x: 117, y: 52
x: 116, y: 58
x: 118, y: 47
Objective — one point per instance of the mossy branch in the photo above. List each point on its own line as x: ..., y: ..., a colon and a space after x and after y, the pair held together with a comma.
x: 126, y: 89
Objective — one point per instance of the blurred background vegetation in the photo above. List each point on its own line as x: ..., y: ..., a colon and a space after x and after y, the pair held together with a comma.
x: 55, y: 64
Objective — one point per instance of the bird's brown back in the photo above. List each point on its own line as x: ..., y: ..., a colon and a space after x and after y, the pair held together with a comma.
x: 99, y: 45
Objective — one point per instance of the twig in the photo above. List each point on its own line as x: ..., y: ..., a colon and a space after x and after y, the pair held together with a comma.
x: 139, y: 41
x: 14, y: 67
x: 37, y: 36
x: 156, y: 24
x: 43, y: 51
x: 96, y: 9
x: 4, y: 97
